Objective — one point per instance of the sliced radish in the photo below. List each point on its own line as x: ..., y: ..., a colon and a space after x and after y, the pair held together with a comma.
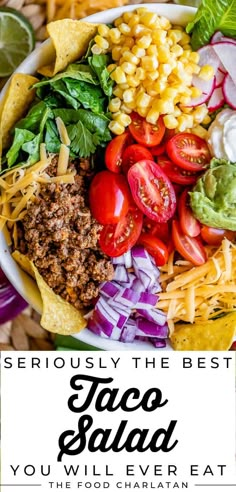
x: 216, y: 100
x: 218, y: 37
x: 206, y: 86
x: 219, y: 77
x: 227, y: 54
x: 208, y: 56
x: 229, y: 91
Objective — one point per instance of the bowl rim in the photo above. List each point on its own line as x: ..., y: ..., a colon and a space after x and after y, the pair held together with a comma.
x: 43, y: 54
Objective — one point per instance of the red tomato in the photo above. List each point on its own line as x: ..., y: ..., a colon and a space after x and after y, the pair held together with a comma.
x: 114, y: 151
x: 155, y: 247
x: 175, y: 173
x: 152, y: 191
x: 115, y: 240
x: 132, y: 154
x: 188, y: 151
x: 191, y: 248
x: 109, y: 197
x: 214, y: 236
x: 158, y: 149
x: 160, y: 230
x: 189, y: 224
x: 145, y: 133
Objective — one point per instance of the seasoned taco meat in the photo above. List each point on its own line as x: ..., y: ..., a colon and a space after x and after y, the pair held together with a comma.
x: 60, y: 236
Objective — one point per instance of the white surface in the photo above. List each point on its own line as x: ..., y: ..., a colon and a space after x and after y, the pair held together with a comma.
x: 177, y: 14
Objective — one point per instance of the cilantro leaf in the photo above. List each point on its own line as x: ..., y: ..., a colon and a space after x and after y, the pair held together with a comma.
x: 82, y: 141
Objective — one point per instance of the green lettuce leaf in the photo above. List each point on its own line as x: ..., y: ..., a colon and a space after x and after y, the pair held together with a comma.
x: 212, y: 16
x: 99, y: 64
x: 74, y: 71
x: 21, y: 136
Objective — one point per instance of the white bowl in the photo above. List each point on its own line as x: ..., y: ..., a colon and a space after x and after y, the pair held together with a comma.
x: 177, y: 14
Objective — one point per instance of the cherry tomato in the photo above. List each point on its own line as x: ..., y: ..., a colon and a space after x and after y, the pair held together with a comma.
x: 158, y: 149
x: 152, y: 191
x: 160, y: 230
x: 175, y: 173
x: 114, y: 151
x: 189, y: 224
x: 214, y: 236
x: 145, y: 133
x: 116, y: 239
x: 188, y: 151
x: 109, y: 197
x: 155, y: 247
x: 132, y: 154
x: 191, y: 248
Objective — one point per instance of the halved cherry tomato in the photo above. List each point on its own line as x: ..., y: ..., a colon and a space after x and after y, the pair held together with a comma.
x: 114, y: 151
x: 152, y: 191
x: 189, y: 224
x: 175, y: 173
x: 155, y: 247
x: 214, y: 236
x: 191, y: 248
x: 145, y: 133
x: 161, y: 231
x: 109, y: 197
x: 158, y: 149
x: 115, y: 240
x: 188, y: 151
x: 132, y: 154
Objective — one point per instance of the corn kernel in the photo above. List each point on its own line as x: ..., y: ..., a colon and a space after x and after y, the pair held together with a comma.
x: 164, y: 23
x: 141, y: 10
x: 123, y: 119
x: 125, y: 109
x: 196, y: 92
x: 116, y: 53
x: 96, y: 50
x: 185, y: 39
x: 149, y: 19
x: 199, y: 113
x: 131, y: 105
x: 124, y: 86
x: 159, y: 36
x: 129, y: 57
x: 127, y: 16
x: 119, y: 76
x: 111, y: 67
x: 152, y: 116
x: 152, y: 50
x: 103, y: 30
x: 137, y: 51
x: 200, y: 131
x: 206, y: 72
x: 149, y: 63
x: 160, y: 85
x: 177, y: 50
x: 140, y: 73
x: 169, y: 93
x: 144, y: 41
x: 116, y: 127
x: 118, y: 21
x: 143, y: 100
x: 128, y: 68
x: 185, y: 100
x: 118, y: 92
x: 115, y: 35
x: 142, y: 111
x: 177, y: 111
x: 175, y: 35
x: 138, y: 30
x: 206, y: 120
x: 129, y: 42
x: 165, y: 69
x: 114, y: 104
x: 194, y: 57
x: 101, y: 42
x: 163, y: 54
x: 132, y: 81
x: 128, y: 95
x: 170, y: 122
x: 152, y: 75
x: 134, y: 20
x: 182, y: 123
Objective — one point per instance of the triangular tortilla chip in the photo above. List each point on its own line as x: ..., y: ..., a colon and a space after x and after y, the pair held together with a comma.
x: 15, y: 103
x: 70, y: 39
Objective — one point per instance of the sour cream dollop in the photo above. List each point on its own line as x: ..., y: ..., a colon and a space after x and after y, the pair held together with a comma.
x: 222, y: 135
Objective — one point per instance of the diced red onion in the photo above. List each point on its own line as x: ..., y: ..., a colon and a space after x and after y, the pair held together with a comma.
x: 145, y: 327
x: 11, y: 303
x: 158, y: 343
x: 129, y: 331
x: 109, y: 289
x: 128, y: 298
x: 121, y: 274
x: 153, y: 315
x: 146, y: 299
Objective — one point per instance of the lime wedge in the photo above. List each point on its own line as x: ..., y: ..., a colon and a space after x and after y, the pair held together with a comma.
x: 16, y: 40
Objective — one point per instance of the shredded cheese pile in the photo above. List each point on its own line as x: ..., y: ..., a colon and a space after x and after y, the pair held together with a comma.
x: 77, y: 9
x: 20, y: 186
x: 199, y: 293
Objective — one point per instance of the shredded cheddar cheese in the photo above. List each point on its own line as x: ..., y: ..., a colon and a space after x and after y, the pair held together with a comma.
x: 202, y: 292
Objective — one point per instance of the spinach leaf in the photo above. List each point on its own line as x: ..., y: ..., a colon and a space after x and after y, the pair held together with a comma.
x: 20, y: 137
x: 76, y: 71
x: 95, y: 123
x: 33, y: 148
x: 82, y: 142
x: 212, y: 16
x: 99, y: 64
x: 61, y: 88
x: 91, y: 97
x: 33, y: 118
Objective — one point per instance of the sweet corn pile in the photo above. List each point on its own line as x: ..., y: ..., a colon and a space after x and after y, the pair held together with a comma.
x: 153, y: 68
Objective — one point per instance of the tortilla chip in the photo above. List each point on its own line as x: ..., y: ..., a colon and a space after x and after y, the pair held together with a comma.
x: 70, y: 39
x: 213, y: 335
x: 58, y: 316
x: 15, y: 103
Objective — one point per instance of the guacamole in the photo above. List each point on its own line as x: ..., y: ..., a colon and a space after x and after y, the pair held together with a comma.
x: 213, y: 199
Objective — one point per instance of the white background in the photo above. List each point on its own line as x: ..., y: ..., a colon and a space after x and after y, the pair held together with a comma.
x: 202, y: 400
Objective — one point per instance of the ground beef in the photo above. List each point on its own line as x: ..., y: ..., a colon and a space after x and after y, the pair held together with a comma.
x: 61, y: 237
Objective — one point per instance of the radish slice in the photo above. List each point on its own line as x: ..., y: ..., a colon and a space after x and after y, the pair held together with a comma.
x: 219, y: 78
x: 216, y: 100
x: 229, y: 91
x: 206, y: 87
x: 208, y: 57
x: 218, y: 37
x: 227, y: 55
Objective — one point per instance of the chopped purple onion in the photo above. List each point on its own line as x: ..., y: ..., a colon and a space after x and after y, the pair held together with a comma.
x: 121, y: 274
x: 153, y: 315
x: 109, y: 289
x: 145, y: 327
x: 158, y: 343
x: 146, y: 299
